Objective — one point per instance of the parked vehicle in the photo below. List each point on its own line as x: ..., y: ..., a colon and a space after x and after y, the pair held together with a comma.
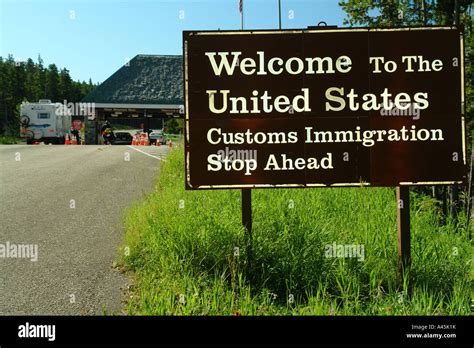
x: 157, y: 136
x: 122, y: 138
x: 44, y: 122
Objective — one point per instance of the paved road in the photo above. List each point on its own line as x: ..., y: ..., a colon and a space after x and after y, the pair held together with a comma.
x: 76, y: 246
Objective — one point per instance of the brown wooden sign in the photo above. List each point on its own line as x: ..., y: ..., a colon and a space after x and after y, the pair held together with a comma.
x: 309, y: 108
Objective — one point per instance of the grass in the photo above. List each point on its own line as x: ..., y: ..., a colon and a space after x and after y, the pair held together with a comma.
x: 173, y: 137
x: 190, y: 256
x: 8, y: 140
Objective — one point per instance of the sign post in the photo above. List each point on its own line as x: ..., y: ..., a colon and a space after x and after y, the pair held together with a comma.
x: 247, y: 221
x: 246, y: 194
x: 403, y: 227
x: 247, y: 210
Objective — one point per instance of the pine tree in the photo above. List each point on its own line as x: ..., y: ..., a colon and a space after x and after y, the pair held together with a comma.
x: 65, y: 86
x: 39, y: 80
x: 30, y: 91
x: 52, y: 82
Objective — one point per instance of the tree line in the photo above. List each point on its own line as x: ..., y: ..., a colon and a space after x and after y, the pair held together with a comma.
x: 31, y: 81
x: 398, y: 13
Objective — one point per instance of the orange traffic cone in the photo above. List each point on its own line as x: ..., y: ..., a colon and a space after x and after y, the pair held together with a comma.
x: 67, y: 142
x: 73, y: 141
x: 134, y: 141
x: 158, y: 143
x: 170, y: 144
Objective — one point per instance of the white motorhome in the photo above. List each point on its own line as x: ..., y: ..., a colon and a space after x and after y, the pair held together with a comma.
x: 44, y: 122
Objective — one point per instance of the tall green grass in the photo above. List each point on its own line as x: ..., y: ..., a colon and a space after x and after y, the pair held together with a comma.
x: 190, y: 255
x: 8, y: 140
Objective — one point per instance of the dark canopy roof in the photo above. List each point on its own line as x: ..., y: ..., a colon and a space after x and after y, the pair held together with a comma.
x: 146, y: 79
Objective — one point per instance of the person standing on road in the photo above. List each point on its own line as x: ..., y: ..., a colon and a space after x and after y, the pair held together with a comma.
x: 75, y: 133
x: 107, y: 133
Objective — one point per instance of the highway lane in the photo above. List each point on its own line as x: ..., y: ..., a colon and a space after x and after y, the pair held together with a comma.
x: 69, y: 201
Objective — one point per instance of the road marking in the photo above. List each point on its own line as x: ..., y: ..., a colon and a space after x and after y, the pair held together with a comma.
x: 146, y: 153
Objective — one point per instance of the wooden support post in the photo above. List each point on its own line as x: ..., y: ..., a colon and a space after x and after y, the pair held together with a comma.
x: 423, y: 11
x: 403, y: 226
x: 444, y: 205
x: 247, y: 209
x: 454, y: 197
x: 456, y: 13
x: 470, y: 191
x: 247, y: 221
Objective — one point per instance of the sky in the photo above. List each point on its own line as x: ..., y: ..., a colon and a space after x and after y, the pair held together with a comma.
x: 94, y: 38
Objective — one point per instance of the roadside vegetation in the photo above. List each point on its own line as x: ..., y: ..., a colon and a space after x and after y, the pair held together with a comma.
x: 10, y: 140
x: 190, y: 255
